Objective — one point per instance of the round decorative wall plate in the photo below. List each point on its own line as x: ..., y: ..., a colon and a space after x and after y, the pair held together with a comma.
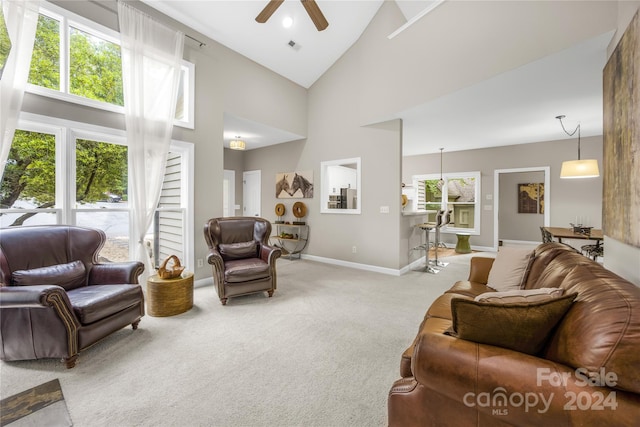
x: 299, y: 210
x: 280, y: 209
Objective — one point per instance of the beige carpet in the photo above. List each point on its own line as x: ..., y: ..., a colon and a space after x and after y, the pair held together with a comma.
x: 324, y: 351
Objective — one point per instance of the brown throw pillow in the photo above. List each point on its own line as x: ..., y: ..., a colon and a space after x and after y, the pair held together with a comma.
x: 70, y: 275
x: 520, y: 326
x: 231, y: 251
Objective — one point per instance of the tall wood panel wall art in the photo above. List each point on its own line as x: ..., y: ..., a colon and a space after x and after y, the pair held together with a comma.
x: 621, y: 181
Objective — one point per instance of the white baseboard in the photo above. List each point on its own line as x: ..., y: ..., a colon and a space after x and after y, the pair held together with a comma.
x: 356, y: 265
x: 393, y: 272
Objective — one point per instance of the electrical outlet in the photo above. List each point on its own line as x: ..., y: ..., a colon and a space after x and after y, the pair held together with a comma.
x: 353, y: 249
x: 200, y: 262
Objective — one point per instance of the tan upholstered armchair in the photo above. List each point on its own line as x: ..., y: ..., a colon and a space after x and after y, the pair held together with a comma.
x: 240, y: 256
x: 56, y: 299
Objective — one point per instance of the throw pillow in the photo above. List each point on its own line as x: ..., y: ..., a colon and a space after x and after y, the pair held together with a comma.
x: 510, y: 268
x: 523, y: 327
x: 521, y: 295
x: 231, y: 251
x: 70, y: 275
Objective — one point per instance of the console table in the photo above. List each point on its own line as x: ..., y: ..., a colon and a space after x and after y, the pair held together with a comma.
x: 291, y: 239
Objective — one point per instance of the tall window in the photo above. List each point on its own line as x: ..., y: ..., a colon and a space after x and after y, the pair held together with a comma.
x: 70, y: 173
x: 101, y: 193
x: 458, y: 192
x: 77, y: 60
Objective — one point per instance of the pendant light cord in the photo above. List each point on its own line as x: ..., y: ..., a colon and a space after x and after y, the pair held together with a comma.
x: 577, y: 129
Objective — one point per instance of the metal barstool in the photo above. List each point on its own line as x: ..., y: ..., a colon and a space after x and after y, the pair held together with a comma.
x: 442, y: 220
x: 427, y: 227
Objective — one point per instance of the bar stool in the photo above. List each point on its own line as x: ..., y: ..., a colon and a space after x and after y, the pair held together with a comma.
x: 427, y: 227
x: 441, y: 220
x: 447, y: 220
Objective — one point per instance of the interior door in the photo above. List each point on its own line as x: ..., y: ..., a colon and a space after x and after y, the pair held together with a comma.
x: 251, y: 182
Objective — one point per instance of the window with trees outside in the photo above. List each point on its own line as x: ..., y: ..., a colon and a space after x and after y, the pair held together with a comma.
x: 458, y: 192
x: 78, y: 61
x: 62, y: 172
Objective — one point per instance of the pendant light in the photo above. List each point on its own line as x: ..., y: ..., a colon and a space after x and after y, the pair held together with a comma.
x: 578, y: 168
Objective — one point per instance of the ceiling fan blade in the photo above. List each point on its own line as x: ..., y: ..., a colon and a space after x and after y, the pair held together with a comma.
x: 268, y: 11
x: 315, y: 14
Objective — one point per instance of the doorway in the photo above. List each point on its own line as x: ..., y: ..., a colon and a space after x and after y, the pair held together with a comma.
x: 524, y: 227
x: 251, y: 192
x: 229, y: 193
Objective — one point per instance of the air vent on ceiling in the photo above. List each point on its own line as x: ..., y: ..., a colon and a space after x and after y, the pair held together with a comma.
x: 293, y: 45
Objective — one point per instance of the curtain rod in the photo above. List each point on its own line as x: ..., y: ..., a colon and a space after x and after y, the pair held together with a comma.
x: 115, y: 11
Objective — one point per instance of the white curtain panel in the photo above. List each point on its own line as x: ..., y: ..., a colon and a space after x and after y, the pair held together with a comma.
x: 21, y: 18
x: 151, y: 59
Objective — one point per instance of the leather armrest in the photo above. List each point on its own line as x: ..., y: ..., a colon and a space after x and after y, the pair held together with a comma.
x: 480, y: 268
x: 214, y: 258
x: 269, y: 253
x: 116, y: 273
x: 36, y: 296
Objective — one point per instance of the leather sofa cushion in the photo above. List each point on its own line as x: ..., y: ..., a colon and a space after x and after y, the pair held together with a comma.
x: 602, y: 329
x: 96, y: 302
x: 69, y: 276
x: 231, y: 251
x: 441, y: 307
x: 510, y: 269
x: 523, y: 327
x: 243, y: 270
x: 470, y: 289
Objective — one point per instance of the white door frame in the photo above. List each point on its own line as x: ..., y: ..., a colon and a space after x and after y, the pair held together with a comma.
x: 496, y: 196
x: 230, y: 177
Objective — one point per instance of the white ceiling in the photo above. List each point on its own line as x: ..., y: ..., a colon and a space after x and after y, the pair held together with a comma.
x: 515, y: 107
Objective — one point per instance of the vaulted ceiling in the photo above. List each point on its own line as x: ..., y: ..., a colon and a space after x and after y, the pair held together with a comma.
x: 496, y: 110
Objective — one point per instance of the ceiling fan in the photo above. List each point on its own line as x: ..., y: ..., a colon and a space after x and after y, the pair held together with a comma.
x: 310, y: 5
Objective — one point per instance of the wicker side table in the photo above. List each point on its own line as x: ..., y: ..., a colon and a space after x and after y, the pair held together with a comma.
x: 168, y: 297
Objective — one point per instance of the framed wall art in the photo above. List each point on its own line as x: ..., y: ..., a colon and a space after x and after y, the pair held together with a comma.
x: 294, y: 185
x: 531, y: 198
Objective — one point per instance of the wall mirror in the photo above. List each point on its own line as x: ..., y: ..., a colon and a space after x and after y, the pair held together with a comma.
x: 341, y: 186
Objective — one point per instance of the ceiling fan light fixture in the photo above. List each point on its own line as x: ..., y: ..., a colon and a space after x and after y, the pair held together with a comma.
x: 237, y: 144
x: 310, y: 6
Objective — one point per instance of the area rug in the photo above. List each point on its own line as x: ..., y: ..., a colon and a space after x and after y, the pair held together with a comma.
x: 42, y: 405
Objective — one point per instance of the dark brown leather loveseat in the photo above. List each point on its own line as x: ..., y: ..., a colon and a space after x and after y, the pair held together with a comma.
x: 56, y: 299
x: 586, y: 374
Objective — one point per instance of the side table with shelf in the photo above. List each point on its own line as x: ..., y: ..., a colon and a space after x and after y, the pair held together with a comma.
x: 293, y: 245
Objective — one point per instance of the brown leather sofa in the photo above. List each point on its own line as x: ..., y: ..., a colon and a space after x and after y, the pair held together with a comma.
x: 240, y: 256
x: 56, y: 299
x: 587, y: 374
